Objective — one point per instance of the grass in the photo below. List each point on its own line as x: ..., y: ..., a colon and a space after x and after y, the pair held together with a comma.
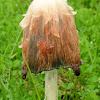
x: 84, y: 87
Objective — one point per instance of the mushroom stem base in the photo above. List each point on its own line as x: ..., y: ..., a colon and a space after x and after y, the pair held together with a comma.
x: 51, y: 88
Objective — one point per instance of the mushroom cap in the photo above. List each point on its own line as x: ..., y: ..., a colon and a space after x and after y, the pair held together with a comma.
x: 49, y: 36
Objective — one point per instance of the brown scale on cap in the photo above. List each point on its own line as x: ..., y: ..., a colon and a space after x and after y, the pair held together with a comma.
x: 50, y: 38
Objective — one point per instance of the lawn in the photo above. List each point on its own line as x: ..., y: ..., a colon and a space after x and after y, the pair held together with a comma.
x: 71, y: 87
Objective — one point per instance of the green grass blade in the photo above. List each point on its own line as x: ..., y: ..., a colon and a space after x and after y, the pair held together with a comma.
x: 32, y: 79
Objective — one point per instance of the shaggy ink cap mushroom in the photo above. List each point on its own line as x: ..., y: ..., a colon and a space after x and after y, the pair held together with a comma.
x: 50, y: 37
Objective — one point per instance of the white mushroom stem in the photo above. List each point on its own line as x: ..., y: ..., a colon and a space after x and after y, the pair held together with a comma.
x: 51, y: 87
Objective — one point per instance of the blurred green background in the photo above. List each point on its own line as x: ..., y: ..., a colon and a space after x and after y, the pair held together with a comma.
x: 84, y: 87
